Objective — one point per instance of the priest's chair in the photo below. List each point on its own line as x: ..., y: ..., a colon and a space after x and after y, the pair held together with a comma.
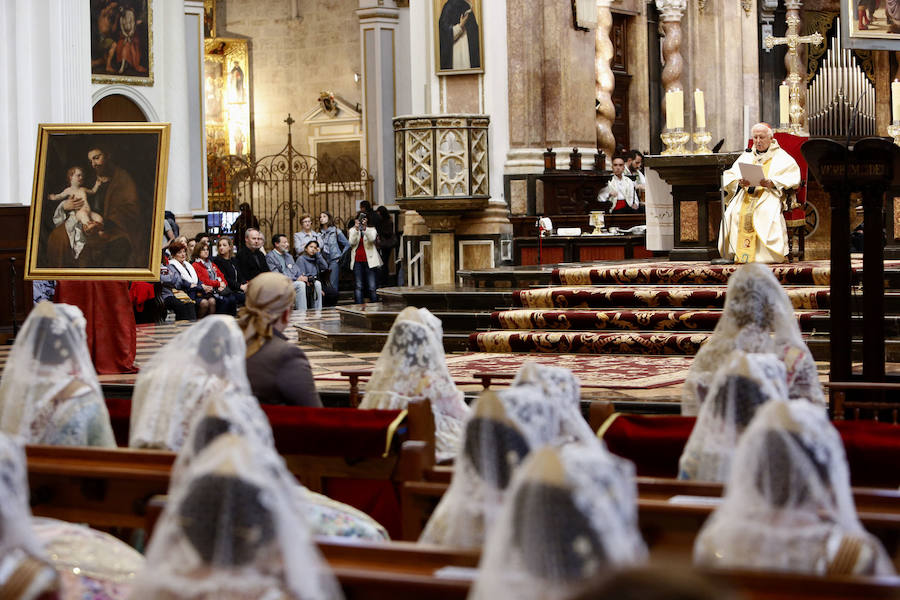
x: 794, y: 203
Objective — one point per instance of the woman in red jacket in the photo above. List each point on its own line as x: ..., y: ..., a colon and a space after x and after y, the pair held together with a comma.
x: 209, y: 274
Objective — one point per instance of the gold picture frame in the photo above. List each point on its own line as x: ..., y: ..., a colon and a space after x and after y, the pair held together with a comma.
x: 97, y: 202
x: 122, y: 42
x: 878, y: 32
x: 458, y: 51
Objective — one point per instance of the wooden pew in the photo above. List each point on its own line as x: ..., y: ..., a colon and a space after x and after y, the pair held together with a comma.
x: 112, y: 487
x: 401, y: 571
x: 668, y: 528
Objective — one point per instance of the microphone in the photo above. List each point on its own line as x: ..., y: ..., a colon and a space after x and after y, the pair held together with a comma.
x: 718, y: 146
x: 749, y: 147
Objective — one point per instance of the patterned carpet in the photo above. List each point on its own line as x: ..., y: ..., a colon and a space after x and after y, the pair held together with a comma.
x: 650, y: 296
x: 588, y: 342
x: 816, y: 272
x: 655, y: 320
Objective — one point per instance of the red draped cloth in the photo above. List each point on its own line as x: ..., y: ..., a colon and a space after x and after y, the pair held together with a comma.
x: 111, y: 330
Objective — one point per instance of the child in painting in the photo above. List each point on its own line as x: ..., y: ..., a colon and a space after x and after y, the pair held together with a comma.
x: 83, y: 218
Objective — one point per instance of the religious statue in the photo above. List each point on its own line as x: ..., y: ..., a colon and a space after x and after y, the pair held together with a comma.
x: 753, y: 227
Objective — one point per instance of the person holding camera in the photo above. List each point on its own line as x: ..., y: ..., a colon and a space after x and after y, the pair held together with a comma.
x: 364, y: 258
x: 311, y: 265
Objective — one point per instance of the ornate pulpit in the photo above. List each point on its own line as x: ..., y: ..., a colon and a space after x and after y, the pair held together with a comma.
x: 696, y: 182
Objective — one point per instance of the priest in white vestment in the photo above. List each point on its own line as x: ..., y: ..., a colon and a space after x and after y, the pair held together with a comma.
x: 753, y: 228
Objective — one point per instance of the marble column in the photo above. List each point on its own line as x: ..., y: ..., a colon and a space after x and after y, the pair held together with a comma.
x: 551, y: 96
x: 46, y: 78
x: 670, y: 12
x: 378, y: 25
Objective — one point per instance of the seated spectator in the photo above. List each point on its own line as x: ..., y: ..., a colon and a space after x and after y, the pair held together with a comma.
x: 788, y: 505
x: 412, y: 366
x: 619, y: 192
x: 740, y: 387
x: 225, y: 260
x: 279, y: 371
x: 279, y: 260
x: 570, y: 514
x: 251, y: 259
x: 757, y: 317
x: 313, y: 266
x: 210, y: 275
x: 232, y: 529
x: 200, y: 293
x: 49, y: 391
x: 204, y: 359
x: 174, y: 289
x: 305, y: 235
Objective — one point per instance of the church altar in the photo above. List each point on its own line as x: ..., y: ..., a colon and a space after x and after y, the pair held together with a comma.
x: 696, y: 182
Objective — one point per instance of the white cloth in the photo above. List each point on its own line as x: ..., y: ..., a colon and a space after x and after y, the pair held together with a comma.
x: 743, y: 384
x: 788, y: 504
x: 15, y: 512
x: 231, y: 529
x: 570, y: 513
x: 49, y: 392
x: 412, y: 366
x: 205, y: 359
x: 186, y: 270
x: 619, y: 188
x: 758, y: 317
x: 768, y: 220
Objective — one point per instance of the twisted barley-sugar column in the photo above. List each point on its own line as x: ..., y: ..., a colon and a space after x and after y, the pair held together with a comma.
x: 606, y: 81
x: 670, y: 12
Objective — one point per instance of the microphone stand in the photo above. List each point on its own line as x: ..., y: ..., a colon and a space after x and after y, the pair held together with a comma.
x: 540, y: 232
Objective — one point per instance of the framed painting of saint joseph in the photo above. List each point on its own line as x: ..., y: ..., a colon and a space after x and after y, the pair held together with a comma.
x: 98, y: 201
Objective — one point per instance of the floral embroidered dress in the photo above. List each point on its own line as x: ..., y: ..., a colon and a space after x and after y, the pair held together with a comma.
x: 49, y: 392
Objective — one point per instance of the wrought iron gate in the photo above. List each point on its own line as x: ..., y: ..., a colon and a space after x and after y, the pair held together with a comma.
x: 282, y: 187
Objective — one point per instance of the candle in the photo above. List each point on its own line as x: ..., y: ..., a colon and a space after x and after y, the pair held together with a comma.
x: 784, y: 104
x: 674, y: 109
x: 895, y: 100
x: 700, y: 109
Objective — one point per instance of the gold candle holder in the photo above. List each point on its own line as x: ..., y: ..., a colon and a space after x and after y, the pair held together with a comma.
x: 894, y: 131
x: 702, y: 138
x: 675, y: 140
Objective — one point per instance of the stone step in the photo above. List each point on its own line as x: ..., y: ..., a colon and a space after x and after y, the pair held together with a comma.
x: 336, y: 336
x: 380, y: 317
x: 446, y: 298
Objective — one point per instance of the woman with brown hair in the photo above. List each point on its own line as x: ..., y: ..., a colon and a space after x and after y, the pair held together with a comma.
x: 200, y: 293
x: 210, y: 275
x: 226, y: 263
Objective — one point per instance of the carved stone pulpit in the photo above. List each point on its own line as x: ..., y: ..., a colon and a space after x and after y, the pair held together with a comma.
x: 442, y: 173
x: 872, y: 167
x: 696, y: 182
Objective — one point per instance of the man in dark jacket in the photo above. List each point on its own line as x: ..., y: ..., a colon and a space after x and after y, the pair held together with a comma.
x: 251, y: 259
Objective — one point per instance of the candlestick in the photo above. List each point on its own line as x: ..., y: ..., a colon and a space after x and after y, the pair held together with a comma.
x: 700, y: 109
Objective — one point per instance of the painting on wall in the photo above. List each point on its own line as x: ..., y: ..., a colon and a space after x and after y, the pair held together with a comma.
x: 121, y: 41
x: 457, y: 36
x: 870, y: 24
x: 98, y: 201
x: 338, y: 161
x: 209, y: 18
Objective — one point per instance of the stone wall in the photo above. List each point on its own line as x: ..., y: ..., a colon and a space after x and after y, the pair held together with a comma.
x: 293, y: 59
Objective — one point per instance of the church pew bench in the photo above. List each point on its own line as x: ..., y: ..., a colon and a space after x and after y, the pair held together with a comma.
x: 654, y: 444
x: 670, y: 527
x: 112, y: 487
x: 876, y: 404
x: 404, y: 570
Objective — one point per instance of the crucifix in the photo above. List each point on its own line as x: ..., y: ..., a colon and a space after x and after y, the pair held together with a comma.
x: 793, y: 40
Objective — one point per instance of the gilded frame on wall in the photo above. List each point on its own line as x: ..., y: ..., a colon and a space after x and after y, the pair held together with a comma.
x: 122, y: 41
x: 458, y: 41
x: 98, y: 201
x: 209, y: 18
x: 878, y: 33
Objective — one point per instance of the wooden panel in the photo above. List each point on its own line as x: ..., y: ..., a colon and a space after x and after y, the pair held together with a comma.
x: 618, y: 35
x: 586, y: 253
x: 529, y: 256
x: 690, y: 216
x: 13, y: 234
x: 642, y: 252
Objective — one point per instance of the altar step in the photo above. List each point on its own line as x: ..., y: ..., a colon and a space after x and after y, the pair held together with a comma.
x: 633, y: 342
x: 340, y: 336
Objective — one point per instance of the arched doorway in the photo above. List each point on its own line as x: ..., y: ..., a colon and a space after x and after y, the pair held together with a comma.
x: 117, y: 108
